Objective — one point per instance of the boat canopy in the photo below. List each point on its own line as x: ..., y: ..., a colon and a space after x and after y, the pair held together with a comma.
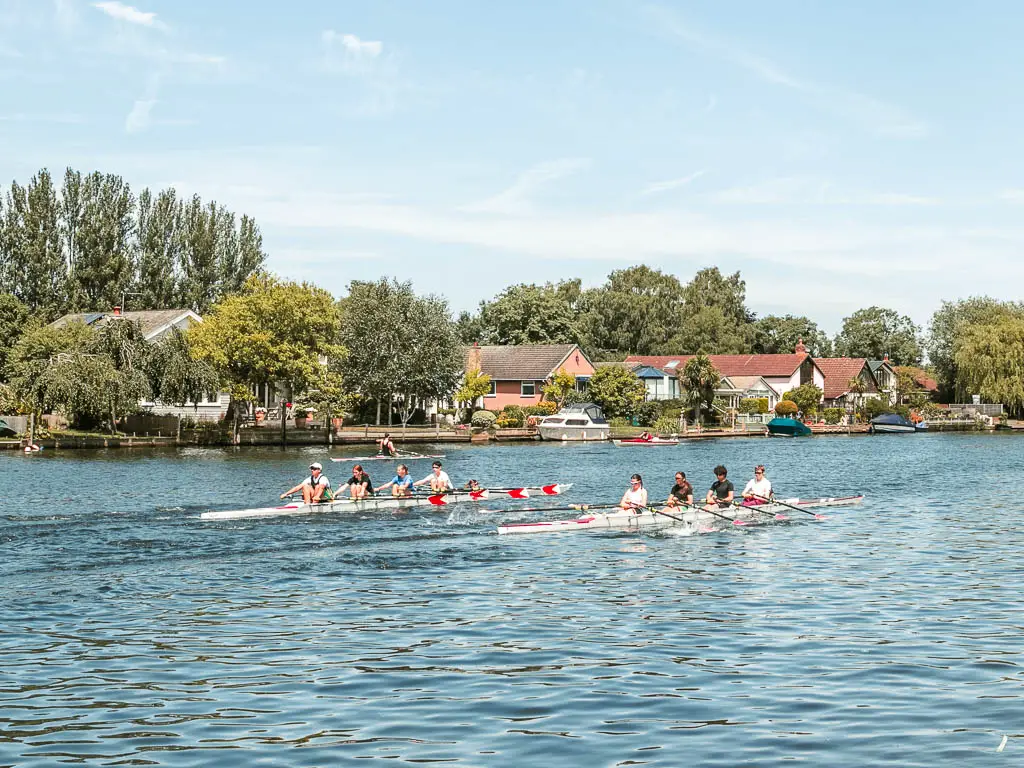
x: 892, y: 419
x: 591, y: 410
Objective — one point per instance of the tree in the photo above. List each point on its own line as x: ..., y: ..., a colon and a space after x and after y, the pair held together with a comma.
x: 699, y: 381
x: 562, y: 383
x: 875, y: 332
x: 14, y: 317
x: 273, y: 332
x: 908, y: 387
x: 415, y: 350
x: 470, y: 328
x: 857, y: 386
x: 532, y: 314
x: 176, y: 377
x: 774, y: 335
x: 786, y: 408
x: 35, y: 271
x: 103, y: 266
x: 159, y: 243
x: 948, y: 325
x: 715, y: 318
x: 637, y: 311
x: 474, y: 386
x: 617, y: 390
x: 807, y: 398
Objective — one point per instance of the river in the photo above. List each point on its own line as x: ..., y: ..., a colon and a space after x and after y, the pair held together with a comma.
x: 133, y: 633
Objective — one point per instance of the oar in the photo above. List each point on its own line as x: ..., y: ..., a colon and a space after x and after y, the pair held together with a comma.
x: 815, y: 515
x: 757, y: 508
x: 568, y: 508
x: 733, y: 520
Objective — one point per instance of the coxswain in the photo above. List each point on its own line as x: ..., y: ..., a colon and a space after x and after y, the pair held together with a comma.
x: 722, y: 490
x: 359, y: 485
x: 472, y: 485
x: 386, y: 446
x: 438, y: 479
x: 681, y: 493
x: 400, y: 484
x: 758, y: 490
x: 316, y: 489
x: 636, y: 496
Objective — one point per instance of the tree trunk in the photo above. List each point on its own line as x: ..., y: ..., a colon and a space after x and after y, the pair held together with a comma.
x: 391, y: 400
x: 378, y: 411
x: 32, y: 428
x: 177, y: 436
x: 329, y: 425
x: 284, y: 422
x: 113, y: 420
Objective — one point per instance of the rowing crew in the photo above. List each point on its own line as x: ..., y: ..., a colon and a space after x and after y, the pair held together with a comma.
x: 316, y: 489
x: 721, y: 494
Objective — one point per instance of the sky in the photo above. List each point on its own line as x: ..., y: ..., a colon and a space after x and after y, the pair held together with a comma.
x: 839, y: 155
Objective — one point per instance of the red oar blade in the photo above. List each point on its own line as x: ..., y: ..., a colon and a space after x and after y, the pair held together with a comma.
x: 518, y: 493
x: 820, y: 516
x: 781, y: 517
x: 437, y: 501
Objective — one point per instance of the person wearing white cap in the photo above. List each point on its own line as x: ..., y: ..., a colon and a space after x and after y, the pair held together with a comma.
x: 316, y: 489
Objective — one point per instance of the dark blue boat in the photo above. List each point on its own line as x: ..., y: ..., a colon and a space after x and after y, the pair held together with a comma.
x: 893, y: 423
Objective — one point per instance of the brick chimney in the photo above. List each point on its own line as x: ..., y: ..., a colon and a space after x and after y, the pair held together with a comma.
x: 117, y: 311
x: 473, y: 357
x: 885, y: 358
x: 800, y: 348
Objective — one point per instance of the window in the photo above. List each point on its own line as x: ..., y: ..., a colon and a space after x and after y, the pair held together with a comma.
x: 581, y: 383
x: 494, y: 389
x: 528, y: 389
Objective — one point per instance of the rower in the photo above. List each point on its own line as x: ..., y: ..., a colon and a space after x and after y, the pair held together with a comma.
x: 400, y: 484
x: 359, y: 485
x: 316, y: 489
x: 646, y: 436
x: 437, y: 479
x: 635, y: 497
x: 722, y: 490
x: 758, y: 489
x: 472, y: 485
x: 681, y: 493
x: 385, y: 446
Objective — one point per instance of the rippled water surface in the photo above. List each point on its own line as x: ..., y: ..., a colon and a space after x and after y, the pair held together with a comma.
x: 133, y: 633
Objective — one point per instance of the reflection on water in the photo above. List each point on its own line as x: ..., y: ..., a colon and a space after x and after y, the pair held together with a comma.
x: 131, y: 632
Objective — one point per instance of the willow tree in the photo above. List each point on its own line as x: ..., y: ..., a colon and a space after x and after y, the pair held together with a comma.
x: 274, y: 332
x: 989, y: 361
x: 176, y: 377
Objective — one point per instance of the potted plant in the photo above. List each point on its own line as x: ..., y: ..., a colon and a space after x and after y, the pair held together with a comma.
x: 301, y: 415
x: 261, y: 415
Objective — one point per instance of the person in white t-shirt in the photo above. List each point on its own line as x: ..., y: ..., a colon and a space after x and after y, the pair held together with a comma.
x: 636, y: 497
x: 758, y: 489
x: 437, y: 479
x: 316, y: 489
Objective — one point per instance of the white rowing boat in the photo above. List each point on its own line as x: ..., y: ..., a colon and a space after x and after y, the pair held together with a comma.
x: 382, y: 502
x: 385, y: 457
x: 647, y: 520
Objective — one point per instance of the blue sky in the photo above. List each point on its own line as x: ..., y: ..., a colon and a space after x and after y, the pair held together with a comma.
x: 839, y: 155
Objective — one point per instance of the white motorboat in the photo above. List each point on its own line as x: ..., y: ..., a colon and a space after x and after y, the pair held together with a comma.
x: 582, y: 422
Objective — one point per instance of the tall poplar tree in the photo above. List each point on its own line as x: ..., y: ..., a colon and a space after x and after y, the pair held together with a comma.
x: 36, y: 272
x: 159, y: 238
x: 104, y: 267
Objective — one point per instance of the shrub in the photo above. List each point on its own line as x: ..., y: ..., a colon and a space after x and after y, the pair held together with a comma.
x: 786, y: 408
x: 754, y: 405
x: 666, y: 425
x: 483, y: 419
x: 512, y: 416
x: 833, y: 415
x: 648, y: 413
x: 620, y: 421
x: 543, y: 408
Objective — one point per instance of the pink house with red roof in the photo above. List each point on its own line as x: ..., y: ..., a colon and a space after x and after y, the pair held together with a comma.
x: 519, y: 372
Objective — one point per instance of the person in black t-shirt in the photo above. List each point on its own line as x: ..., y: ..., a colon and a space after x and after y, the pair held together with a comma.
x: 722, y: 490
x: 359, y: 485
x: 681, y: 493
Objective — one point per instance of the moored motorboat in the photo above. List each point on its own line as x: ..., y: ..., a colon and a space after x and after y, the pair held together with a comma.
x: 785, y: 427
x: 649, y: 520
x: 583, y: 422
x: 892, y: 423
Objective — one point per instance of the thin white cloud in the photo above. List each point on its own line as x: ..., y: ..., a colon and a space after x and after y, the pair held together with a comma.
x: 665, y: 186
x: 517, y: 198
x: 140, y: 117
x: 129, y: 14
x: 1012, y: 195
x: 877, y: 116
x: 349, y: 52
x: 795, y: 190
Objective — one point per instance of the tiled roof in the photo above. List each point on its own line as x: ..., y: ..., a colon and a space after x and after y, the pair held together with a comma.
x: 838, y: 371
x: 921, y: 377
x: 150, y: 321
x: 731, y: 365
x: 744, y: 383
x: 525, y: 362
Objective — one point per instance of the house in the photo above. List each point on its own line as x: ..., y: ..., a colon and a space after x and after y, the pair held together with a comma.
x: 518, y: 372
x: 154, y: 324
x: 660, y: 384
x: 736, y: 388
x: 885, y: 378
x: 839, y: 373
x: 779, y: 373
x: 923, y: 383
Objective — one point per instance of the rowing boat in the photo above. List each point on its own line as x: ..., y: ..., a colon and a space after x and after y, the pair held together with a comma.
x: 386, y: 457
x: 647, y: 520
x: 637, y: 441
x: 383, y: 502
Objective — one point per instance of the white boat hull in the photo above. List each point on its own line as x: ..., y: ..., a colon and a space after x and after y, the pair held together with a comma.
x: 892, y: 429
x: 644, y: 443
x: 595, y: 433
x: 646, y: 520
